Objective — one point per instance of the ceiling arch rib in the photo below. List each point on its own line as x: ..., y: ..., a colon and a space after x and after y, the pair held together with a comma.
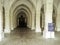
x: 25, y: 3
x: 22, y: 14
x: 28, y: 13
x: 25, y: 10
x: 22, y: 11
x: 22, y: 6
x: 29, y: 3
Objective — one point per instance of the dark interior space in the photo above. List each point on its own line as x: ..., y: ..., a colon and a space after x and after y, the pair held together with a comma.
x: 22, y: 22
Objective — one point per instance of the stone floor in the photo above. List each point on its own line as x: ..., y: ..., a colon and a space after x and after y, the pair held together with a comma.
x: 27, y: 37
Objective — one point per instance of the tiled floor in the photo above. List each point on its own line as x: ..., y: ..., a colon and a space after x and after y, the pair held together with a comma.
x: 27, y: 37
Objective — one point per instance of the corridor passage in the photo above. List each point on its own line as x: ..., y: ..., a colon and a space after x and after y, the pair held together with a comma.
x: 25, y: 36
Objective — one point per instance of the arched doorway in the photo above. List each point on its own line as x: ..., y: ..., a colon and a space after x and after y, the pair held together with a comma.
x: 22, y: 22
x: 27, y: 7
x: 22, y: 19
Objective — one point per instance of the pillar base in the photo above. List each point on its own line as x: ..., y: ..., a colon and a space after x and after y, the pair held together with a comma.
x: 38, y: 30
x: 28, y: 26
x: 1, y: 36
x: 32, y: 28
x: 12, y: 28
x: 58, y: 29
x: 7, y: 31
x: 47, y: 34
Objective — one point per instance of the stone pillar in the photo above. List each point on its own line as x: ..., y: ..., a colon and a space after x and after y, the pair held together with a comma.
x: 58, y: 19
x: 38, y: 29
x: 48, y: 19
x: 1, y: 23
x: 7, y: 22
x: 33, y: 21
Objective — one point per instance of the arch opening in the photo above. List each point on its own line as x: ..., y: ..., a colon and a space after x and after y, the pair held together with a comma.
x: 22, y: 19
x: 27, y: 7
x: 21, y: 13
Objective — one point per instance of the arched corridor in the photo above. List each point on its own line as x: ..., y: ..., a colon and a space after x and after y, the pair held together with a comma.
x: 32, y: 22
x: 25, y: 10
